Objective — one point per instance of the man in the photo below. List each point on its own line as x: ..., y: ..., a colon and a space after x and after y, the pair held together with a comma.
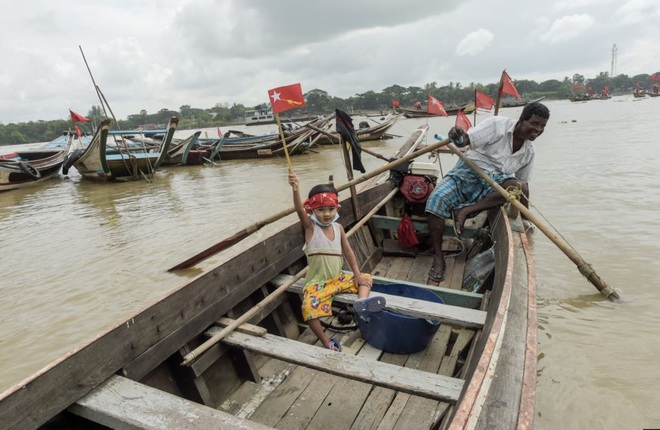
x: 500, y: 146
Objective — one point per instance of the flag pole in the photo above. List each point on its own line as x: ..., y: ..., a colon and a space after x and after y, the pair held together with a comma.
x: 475, y: 107
x: 499, y: 93
x: 286, y: 149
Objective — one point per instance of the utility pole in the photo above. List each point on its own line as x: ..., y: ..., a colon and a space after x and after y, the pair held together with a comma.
x: 614, y: 53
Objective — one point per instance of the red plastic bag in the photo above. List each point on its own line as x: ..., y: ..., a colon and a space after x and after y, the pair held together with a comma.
x: 406, y: 233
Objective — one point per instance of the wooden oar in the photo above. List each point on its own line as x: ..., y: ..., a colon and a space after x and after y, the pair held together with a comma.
x: 190, y: 357
x: 585, y: 268
x: 242, y: 234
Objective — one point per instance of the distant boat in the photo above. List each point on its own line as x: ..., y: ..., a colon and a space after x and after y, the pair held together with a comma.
x: 266, y: 116
x: 422, y: 113
x: 639, y: 93
x: 364, y: 132
x: 125, y: 161
x: 25, y: 168
x: 259, y: 116
x: 519, y: 103
x: 298, y: 141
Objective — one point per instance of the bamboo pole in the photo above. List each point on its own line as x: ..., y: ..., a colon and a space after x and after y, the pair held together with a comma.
x: 585, y: 268
x: 192, y: 355
x: 245, y: 232
x: 286, y: 149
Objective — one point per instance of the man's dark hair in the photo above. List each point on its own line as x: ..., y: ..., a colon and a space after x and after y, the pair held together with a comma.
x: 535, y: 108
x: 322, y: 188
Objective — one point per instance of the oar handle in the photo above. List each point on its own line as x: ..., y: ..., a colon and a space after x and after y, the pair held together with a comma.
x: 585, y: 268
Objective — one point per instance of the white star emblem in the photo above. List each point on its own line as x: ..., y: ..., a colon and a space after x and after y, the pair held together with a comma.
x: 275, y: 96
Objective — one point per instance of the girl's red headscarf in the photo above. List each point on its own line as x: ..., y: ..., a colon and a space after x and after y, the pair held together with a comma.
x: 321, y: 200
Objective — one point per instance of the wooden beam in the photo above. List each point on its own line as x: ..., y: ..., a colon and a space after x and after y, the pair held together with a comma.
x: 121, y: 403
x: 392, y: 223
x: 424, y: 384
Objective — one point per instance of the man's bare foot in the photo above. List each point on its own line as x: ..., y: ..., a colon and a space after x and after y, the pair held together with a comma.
x: 459, y: 216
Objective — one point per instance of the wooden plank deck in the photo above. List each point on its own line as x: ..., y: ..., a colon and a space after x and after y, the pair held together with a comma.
x: 309, y: 399
x: 304, y: 386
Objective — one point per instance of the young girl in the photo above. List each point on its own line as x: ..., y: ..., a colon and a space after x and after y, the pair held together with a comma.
x: 325, y: 246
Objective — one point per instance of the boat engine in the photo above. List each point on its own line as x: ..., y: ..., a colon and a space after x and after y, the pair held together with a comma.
x: 416, y: 184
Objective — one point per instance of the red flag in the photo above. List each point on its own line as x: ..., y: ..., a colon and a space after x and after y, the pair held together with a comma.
x: 76, y: 117
x: 435, y: 107
x: 655, y: 78
x: 285, y: 98
x: 483, y: 101
x: 219, y: 132
x: 78, y: 132
x: 462, y: 120
x: 508, y: 87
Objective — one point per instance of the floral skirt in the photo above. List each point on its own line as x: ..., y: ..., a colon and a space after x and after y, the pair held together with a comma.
x: 317, y: 298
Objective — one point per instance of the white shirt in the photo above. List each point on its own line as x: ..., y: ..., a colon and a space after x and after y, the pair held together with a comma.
x: 491, y: 148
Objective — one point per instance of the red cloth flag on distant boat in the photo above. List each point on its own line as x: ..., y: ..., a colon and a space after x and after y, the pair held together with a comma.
x: 435, y: 107
x: 78, y: 132
x: 482, y: 101
x: 655, y: 78
x: 462, y: 120
x: 508, y: 87
x: 76, y: 117
x: 285, y: 98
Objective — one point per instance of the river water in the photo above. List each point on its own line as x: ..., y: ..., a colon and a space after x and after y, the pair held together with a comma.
x: 77, y: 256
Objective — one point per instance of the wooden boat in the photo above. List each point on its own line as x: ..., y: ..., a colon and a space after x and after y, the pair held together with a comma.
x: 580, y: 98
x: 422, y: 113
x: 639, y: 93
x: 477, y: 370
x: 25, y: 168
x: 189, y: 151
x: 364, y: 132
x: 298, y: 141
x: 98, y: 161
x: 519, y: 103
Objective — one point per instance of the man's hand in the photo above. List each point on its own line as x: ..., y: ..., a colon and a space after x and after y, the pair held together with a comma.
x: 458, y: 136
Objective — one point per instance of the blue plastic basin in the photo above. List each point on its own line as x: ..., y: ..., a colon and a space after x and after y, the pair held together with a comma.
x: 396, y: 333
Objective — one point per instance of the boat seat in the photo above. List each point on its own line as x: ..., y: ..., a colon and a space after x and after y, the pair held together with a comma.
x: 122, y: 403
x: 405, y: 379
x: 448, y: 314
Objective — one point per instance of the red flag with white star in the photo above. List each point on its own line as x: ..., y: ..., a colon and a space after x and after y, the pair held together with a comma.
x: 285, y: 98
x: 462, y: 120
x: 435, y: 107
x: 508, y: 87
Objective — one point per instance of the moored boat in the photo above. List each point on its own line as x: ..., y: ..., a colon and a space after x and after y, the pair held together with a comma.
x: 422, y: 113
x: 519, y: 103
x: 298, y: 141
x: 24, y: 168
x: 364, y: 132
x: 476, y: 371
x: 123, y: 161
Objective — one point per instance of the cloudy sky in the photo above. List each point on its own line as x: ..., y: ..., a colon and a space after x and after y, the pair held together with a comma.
x: 155, y: 54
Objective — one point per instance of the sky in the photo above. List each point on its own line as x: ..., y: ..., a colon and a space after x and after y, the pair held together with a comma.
x: 162, y: 54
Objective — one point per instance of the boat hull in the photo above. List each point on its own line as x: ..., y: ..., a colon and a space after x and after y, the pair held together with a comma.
x: 30, y: 168
x: 473, y: 365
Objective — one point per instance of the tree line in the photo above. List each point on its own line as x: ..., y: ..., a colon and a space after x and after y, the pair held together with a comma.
x: 319, y: 102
